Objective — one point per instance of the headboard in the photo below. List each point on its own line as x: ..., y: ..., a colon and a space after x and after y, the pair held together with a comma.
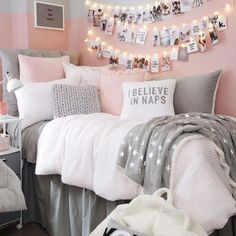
x: 10, y: 62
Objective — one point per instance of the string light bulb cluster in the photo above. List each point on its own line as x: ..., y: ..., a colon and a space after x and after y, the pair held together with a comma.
x: 164, y: 53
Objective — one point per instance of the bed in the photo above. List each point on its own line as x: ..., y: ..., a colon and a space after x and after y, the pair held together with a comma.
x: 62, y: 208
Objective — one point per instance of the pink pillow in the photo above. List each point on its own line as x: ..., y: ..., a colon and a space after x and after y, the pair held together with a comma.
x: 111, y: 94
x: 41, y: 69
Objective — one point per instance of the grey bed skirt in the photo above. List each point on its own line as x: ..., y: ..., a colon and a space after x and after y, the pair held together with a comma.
x: 71, y: 211
x: 62, y: 209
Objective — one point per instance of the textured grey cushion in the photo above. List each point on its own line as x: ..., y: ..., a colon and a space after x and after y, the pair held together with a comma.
x: 72, y: 100
x: 10, y: 62
x: 196, y: 93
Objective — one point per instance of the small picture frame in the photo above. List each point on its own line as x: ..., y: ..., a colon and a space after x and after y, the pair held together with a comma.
x: 49, y: 16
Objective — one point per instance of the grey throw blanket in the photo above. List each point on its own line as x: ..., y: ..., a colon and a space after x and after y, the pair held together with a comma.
x: 146, y: 152
x: 30, y: 137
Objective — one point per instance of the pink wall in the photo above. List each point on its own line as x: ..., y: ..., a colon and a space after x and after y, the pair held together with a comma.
x: 5, y: 30
x: 221, y: 56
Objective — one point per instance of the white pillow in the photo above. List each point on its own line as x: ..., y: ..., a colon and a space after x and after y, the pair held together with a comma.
x: 35, y: 100
x: 148, y: 99
x: 88, y: 75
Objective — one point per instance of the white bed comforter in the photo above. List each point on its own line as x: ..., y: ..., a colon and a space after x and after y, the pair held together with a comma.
x: 84, y: 149
x: 11, y: 195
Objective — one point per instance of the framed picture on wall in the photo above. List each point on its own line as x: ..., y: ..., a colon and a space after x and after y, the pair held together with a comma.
x: 49, y: 16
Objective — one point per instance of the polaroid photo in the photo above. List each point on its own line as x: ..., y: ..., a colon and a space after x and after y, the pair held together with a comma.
x: 122, y: 31
x: 103, y: 24
x: 212, y: 22
x: 185, y: 5
x: 214, y: 37
x: 141, y: 36
x: 131, y: 35
x: 176, y: 8
x: 123, y: 17
x: 166, y: 10
x: 157, y: 12
x: 116, y: 12
x: 222, y: 24
x: 95, y: 44
x: 196, y: 29
x: 154, y: 65
x: 90, y: 17
x: 130, y: 16
x: 197, y: 3
x: 140, y: 63
x: 99, y: 52
x: 129, y: 64
x: 114, y: 60
x: 174, y: 36
x: 123, y: 60
x: 165, y: 63
x: 185, y: 34
x: 174, y: 54
x: 138, y: 19
x: 165, y: 37
x: 192, y: 46
x: 106, y: 53
x: 201, y: 40
x: 183, y: 54
x: 97, y: 21
x: 156, y: 42
x: 135, y: 62
x: 109, y: 27
x: 148, y: 16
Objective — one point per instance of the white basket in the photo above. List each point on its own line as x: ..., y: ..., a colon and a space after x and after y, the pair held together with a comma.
x: 5, y: 142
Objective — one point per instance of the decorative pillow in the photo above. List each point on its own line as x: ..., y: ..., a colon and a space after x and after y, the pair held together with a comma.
x: 70, y: 100
x: 41, y: 69
x: 35, y: 100
x: 110, y: 88
x: 148, y: 99
x: 10, y: 62
x: 88, y: 75
x: 196, y: 93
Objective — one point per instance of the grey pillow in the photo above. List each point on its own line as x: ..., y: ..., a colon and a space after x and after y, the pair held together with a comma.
x: 10, y: 62
x: 71, y: 100
x: 196, y: 93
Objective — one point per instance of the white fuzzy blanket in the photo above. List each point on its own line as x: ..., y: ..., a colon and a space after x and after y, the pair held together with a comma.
x: 11, y: 195
x: 84, y: 150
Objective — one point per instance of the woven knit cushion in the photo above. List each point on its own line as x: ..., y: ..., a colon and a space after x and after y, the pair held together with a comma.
x: 72, y: 100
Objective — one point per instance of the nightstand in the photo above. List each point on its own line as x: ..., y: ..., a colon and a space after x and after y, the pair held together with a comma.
x: 12, y: 158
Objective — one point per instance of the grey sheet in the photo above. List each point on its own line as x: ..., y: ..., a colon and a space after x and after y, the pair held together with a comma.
x: 64, y: 210
x: 30, y: 138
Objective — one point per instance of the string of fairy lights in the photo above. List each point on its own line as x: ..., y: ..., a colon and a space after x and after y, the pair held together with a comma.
x: 94, y: 41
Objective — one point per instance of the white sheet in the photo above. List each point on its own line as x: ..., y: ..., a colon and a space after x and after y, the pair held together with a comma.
x: 11, y: 195
x: 83, y: 150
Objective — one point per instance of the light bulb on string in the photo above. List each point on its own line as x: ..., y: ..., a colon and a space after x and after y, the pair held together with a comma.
x: 228, y: 8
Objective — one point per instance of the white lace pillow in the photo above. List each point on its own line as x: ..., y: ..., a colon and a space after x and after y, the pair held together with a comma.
x: 72, y: 100
x: 148, y: 99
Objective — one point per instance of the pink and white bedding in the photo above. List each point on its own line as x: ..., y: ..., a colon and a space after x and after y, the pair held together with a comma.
x: 83, y: 149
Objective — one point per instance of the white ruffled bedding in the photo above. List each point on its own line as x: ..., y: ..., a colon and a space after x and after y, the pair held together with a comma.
x: 11, y: 195
x: 84, y: 149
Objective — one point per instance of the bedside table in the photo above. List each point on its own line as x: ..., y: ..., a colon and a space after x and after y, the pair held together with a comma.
x: 12, y: 158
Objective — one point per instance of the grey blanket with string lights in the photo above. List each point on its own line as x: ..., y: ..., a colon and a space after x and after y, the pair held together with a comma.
x: 146, y: 152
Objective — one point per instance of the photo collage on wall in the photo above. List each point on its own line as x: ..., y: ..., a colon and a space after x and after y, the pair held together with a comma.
x: 131, y: 28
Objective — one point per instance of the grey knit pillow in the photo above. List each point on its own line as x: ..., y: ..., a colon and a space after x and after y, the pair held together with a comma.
x: 71, y: 100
